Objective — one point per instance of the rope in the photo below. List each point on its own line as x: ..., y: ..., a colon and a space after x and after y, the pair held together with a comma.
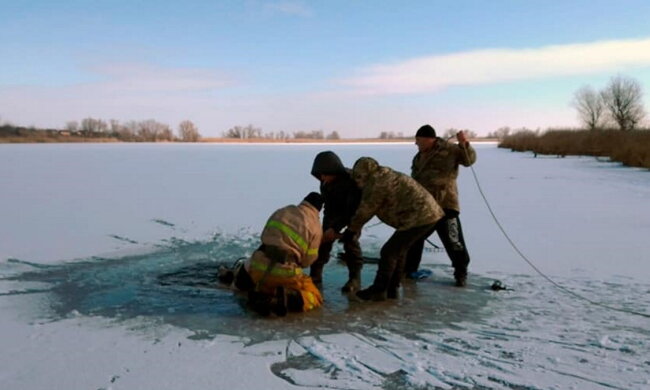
x: 436, y: 247
x: 530, y: 263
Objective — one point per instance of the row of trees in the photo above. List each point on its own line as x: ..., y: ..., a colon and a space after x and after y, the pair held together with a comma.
x: 250, y: 131
x: 449, y: 133
x: 620, y: 103
x: 144, y: 131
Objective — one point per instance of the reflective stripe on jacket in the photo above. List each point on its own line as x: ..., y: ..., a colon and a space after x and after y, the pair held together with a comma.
x: 296, y: 232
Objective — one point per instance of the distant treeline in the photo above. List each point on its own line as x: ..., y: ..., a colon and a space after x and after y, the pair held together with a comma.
x: 252, y: 132
x: 631, y: 148
x: 98, y: 130
x: 18, y: 134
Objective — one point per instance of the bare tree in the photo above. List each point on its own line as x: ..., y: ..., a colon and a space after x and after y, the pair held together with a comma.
x: 72, y: 126
x: 623, y: 98
x: 91, y: 125
x: 450, y: 133
x: 314, y: 134
x: 114, y: 126
x: 152, y: 131
x: 127, y: 132
x: 188, y: 132
x: 234, y: 132
x: 282, y: 135
x: 333, y: 135
x: 240, y: 132
x: 500, y: 133
x: 590, y: 106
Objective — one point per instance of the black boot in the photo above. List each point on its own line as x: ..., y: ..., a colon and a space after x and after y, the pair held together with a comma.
x: 460, y: 275
x: 295, y: 302
x: 372, y: 293
x: 225, y: 275
x: 354, y: 281
x: 392, y: 293
x: 316, y: 274
x: 260, y: 303
x: 280, y: 306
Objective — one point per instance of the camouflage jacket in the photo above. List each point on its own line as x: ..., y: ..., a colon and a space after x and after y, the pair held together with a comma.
x: 437, y: 170
x: 396, y: 199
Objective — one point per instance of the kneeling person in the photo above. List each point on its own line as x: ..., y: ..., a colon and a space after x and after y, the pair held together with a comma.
x: 273, y: 275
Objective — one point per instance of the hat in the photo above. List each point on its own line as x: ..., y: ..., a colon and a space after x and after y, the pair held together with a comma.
x: 315, y: 199
x: 426, y: 131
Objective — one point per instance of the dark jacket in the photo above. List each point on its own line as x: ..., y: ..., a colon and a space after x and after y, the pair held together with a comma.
x: 341, y: 196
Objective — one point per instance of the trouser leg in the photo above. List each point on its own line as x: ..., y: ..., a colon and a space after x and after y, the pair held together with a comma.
x: 451, y: 235
x: 414, y: 256
x: 316, y: 269
x: 393, y: 256
x: 354, y: 262
x: 353, y: 256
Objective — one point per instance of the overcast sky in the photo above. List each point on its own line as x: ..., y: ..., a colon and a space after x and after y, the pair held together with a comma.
x: 357, y: 67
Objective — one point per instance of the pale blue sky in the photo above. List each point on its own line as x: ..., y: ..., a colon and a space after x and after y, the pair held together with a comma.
x: 357, y: 67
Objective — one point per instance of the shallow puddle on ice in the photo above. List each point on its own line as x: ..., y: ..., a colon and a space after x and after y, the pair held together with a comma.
x: 178, y: 286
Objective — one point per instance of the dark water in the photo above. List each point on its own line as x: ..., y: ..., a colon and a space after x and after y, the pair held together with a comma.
x: 177, y: 285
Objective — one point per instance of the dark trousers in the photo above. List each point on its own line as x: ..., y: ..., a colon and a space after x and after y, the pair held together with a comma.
x: 393, y: 256
x: 351, y: 255
x: 451, y: 234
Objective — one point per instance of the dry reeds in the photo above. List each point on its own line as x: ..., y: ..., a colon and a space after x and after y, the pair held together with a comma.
x: 631, y: 148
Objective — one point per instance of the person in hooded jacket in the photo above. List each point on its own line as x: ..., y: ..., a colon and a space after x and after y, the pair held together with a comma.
x: 273, y: 275
x: 341, y: 196
x: 400, y: 202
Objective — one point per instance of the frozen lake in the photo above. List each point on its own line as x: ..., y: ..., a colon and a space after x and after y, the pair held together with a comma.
x: 107, y: 258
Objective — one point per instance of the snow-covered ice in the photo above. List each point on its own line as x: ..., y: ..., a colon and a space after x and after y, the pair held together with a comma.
x: 108, y: 255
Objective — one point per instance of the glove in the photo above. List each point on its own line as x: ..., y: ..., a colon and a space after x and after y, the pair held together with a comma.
x: 348, y: 235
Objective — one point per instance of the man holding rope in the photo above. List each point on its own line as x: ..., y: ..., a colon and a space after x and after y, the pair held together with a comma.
x: 435, y: 167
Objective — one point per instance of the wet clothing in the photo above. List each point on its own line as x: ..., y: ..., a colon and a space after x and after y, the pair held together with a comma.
x: 437, y: 171
x: 342, y: 197
x: 290, y: 243
x: 400, y: 202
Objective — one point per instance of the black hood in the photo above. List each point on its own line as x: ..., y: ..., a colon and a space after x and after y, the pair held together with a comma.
x: 327, y: 163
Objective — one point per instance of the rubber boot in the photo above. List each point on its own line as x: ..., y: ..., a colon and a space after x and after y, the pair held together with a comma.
x: 280, y: 303
x: 354, y: 281
x: 372, y: 293
x: 393, y: 286
x: 295, y: 302
x: 460, y: 274
x: 225, y: 275
x: 260, y: 303
x: 316, y: 274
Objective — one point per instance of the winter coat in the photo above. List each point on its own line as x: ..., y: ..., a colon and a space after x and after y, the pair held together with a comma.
x: 341, y: 196
x: 437, y: 170
x: 396, y: 199
x: 294, y: 231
